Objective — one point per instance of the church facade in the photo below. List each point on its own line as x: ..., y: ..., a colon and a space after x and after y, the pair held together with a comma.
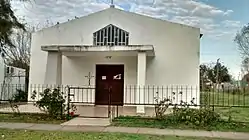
x: 115, y: 50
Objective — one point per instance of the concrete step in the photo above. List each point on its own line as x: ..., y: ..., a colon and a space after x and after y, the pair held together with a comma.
x: 80, y: 121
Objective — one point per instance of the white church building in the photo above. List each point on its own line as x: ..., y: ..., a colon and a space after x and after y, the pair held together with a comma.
x: 119, y: 49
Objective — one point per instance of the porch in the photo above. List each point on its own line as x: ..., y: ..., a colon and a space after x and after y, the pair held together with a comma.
x: 82, y: 62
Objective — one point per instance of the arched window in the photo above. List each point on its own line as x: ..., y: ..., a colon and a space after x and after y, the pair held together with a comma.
x: 110, y: 36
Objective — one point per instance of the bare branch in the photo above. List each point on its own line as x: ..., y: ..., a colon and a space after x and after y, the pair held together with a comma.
x: 242, y: 40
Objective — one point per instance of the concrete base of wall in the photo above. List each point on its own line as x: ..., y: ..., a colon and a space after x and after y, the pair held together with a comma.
x: 102, y: 111
x: 92, y: 111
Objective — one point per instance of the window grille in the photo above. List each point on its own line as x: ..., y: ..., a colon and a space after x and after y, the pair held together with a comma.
x: 9, y: 70
x: 110, y: 36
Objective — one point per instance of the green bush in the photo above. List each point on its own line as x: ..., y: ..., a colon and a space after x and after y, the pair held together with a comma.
x: 20, y: 96
x: 52, y: 102
x: 183, y: 114
x: 197, y: 117
x: 16, y: 99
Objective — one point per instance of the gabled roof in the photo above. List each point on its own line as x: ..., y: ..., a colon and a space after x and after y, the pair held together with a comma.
x: 119, y: 10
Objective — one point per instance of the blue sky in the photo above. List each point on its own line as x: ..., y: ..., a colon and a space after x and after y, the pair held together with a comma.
x: 219, y: 20
x: 225, y: 48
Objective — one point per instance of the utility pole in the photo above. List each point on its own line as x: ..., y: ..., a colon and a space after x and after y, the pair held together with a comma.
x: 238, y: 80
x: 217, y: 72
x: 202, y: 81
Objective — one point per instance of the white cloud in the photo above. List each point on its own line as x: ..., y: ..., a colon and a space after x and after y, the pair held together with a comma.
x: 228, y: 12
x: 231, y: 23
x: 190, y: 12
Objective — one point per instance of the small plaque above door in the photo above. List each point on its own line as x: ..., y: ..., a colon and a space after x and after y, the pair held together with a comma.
x: 103, y: 78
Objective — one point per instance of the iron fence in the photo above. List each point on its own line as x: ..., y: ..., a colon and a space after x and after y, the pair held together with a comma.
x: 225, y: 100
x: 136, y: 95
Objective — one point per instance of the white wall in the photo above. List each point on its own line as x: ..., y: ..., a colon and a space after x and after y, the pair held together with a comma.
x: 13, y: 81
x: 176, y: 60
x: 2, y: 66
x: 76, y: 68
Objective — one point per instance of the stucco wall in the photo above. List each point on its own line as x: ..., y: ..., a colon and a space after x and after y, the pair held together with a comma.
x: 13, y: 81
x: 76, y: 68
x: 176, y: 60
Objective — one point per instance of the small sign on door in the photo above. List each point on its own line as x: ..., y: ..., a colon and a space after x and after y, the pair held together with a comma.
x: 118, y: 77
x: 103, y: 78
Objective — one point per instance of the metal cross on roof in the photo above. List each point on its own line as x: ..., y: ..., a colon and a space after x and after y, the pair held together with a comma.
x: 112, y: 4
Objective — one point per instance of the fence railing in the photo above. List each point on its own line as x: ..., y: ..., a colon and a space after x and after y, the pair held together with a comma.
x: 228, y: 97
x: 7, y: 91
x: 138, y: 95
x: 227, y: 101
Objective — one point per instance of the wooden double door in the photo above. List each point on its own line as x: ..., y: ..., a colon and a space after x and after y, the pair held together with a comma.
x: 109, y: 84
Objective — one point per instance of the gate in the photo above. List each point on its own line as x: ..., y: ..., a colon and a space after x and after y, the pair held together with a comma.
x: 83, y: 98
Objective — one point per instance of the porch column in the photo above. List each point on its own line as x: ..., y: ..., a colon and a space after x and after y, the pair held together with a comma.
x: 53, y: 68
x: 141, y: 77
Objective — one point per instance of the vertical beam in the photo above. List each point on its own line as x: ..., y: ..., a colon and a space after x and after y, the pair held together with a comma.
x: 141, y: 78
x: 53, y: 68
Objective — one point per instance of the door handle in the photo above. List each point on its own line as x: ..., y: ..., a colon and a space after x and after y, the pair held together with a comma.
x: 110, y: 88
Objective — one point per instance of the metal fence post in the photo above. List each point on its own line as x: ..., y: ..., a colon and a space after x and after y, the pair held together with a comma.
x: 117, y: 111
x: 61, y: 106
x: 68, y: 102
x: 109, y: 101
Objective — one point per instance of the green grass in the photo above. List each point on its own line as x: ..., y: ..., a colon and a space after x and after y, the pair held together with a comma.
x: 29, y: 118
x: 234, y: 118
x: 225, y: 99
x: 228, y: 104
x: 50, y: 135
x: 237, y: 114
x: 154, y: 123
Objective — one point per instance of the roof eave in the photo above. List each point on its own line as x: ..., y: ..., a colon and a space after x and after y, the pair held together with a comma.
x: 201, y: 35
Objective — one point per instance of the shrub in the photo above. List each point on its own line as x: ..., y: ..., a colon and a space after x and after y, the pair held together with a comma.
x: 186, y: 115
x: 52, y: 102
x: 20, y: 96
x: 161, y: 107
x: 16, y: 99
x: 197, y: 117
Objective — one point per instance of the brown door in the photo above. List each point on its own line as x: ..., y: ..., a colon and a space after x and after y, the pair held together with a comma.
x: 109, y: 84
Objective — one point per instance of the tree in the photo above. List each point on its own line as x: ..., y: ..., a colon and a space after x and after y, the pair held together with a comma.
x: 8, y: 22
x: 214, y: 73
x: 19, y: 56
x: 242, y: 40
x: 222, y: 72
x: 245, y: 65
x: 204, y: 69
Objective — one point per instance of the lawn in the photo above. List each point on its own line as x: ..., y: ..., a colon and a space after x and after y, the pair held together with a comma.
x: 234, y: 118
x: 228, y: 105
x: 29, y: 118
x: 237, y: 114
x: 225, y: 98
x: 50, y: 135
x: 154, y: 123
